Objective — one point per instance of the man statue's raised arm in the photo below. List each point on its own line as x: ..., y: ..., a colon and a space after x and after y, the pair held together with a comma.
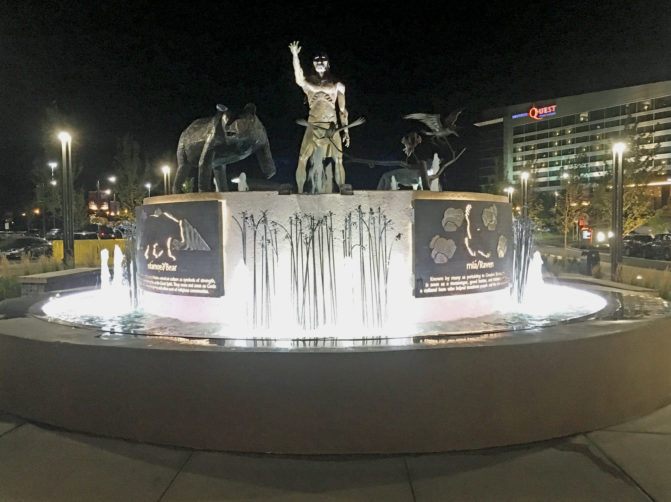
x: 298, y: 71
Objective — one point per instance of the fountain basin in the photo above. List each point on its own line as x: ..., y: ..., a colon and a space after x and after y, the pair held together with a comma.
x: 435, y: 394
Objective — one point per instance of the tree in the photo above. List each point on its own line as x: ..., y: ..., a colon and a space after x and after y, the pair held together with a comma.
x: 47, y: 193
x: 80, y: 209
x: 638, y: 170
x: 569, y: 208
x: 130, y: 174
x: 541, y: 208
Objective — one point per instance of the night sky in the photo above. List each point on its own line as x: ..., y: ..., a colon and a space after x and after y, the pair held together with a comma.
x: 116, y: 68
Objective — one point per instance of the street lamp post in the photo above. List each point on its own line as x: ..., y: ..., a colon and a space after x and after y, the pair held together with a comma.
x: 53, y: 184
x: 112, y: 180
x: 148, y: 187
x: 53, y: 166
x: 618, y: 195
x: 67, y: 200
x: 525, y: 194
x: 166, y: 179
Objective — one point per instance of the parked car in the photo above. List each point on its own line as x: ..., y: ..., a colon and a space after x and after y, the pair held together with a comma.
x: 54, y: 234
x: 109, y: 233
x: 634, y: 244
x: 659, y: 247
x: 18, y: 247
x: 103, y: 233
x: 85, y: 234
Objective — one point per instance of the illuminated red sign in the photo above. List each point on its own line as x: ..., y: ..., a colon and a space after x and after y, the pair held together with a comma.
x: 538, y: 113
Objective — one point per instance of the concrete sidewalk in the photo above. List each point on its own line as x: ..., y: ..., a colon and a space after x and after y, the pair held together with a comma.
x: 628, y: 462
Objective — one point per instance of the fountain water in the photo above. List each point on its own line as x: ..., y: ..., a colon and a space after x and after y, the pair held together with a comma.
x: 117, y: 278
x: 104, y: 269
x: 112, y: 309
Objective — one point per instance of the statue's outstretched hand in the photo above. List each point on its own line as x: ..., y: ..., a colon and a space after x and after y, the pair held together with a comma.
x: 345, y: 139
x: 294, y: 48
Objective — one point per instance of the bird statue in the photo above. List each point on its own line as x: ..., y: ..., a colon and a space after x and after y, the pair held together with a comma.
x: 242, y: 183
x: 439, y: 128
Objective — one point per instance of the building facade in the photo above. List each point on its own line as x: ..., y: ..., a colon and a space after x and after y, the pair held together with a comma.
x: 549, y: 136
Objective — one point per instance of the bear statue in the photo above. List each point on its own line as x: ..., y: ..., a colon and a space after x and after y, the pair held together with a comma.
x: 210, y: 144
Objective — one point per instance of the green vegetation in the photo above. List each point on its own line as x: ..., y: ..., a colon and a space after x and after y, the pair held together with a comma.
x: 658, y: 280
x: 661, y: 221
x: 130, y: 174
x: 10, y: 271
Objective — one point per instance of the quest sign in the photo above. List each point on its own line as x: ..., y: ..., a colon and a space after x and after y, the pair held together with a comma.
x: 461, y: 247
x: 538, y: 113
x: 179, y: 249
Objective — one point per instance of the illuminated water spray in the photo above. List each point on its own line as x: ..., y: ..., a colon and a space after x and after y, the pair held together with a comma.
x: 104, y: 269
x: 111, y: 309
x: 117, y: 278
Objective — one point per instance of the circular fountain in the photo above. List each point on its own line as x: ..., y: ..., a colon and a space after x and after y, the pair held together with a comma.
x: 377, y: 322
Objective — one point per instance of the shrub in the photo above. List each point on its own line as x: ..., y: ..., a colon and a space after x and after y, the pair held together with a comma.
x: 10, y: 271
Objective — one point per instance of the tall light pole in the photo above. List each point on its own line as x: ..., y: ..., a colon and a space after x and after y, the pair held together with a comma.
x: 525, y: 194
x: 67, y: 198
x: 53, y: 166
x: 148, y: 187
x: 53, y: 212
x: 618, y: 195
x: 112, y: 180
x: 166, y: 179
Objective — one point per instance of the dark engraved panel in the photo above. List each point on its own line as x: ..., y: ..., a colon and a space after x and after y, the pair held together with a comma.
x: 180, y: 249
x: 461, y: 247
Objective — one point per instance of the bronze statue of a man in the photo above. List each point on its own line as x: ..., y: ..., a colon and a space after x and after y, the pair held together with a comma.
x: 326, y: 99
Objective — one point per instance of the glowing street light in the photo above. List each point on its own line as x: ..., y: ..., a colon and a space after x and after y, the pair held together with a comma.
x: 112, y: 180
x: 509, y: 191
x: 67, y: 200
x: 166, y: 178
x: 148, y: 187
x: 618, y: 195
x: 53, y: 166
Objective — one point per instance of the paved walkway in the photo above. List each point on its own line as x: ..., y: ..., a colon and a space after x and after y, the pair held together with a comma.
x: 629, y: 462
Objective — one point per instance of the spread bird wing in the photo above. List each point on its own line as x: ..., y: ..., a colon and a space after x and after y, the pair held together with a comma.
x: 451, y: 119
x: 430, y: 120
